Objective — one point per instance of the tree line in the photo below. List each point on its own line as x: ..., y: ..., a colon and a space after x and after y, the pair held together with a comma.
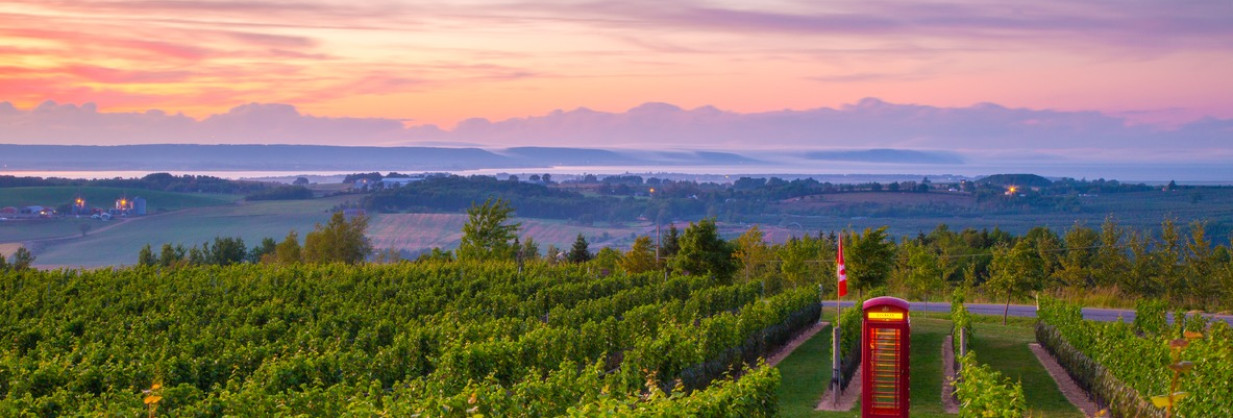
x: 167, y: 182
x: 340, y: 240
x: 1176, y: 263
x: 624, y: 198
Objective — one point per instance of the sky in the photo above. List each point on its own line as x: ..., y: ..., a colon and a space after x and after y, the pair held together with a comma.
x: 920, y: 73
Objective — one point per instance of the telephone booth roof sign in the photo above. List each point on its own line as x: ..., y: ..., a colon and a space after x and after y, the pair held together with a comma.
x: 885, y: 308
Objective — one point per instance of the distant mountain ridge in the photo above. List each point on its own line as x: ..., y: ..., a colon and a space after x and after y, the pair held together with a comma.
x: 318, y: 157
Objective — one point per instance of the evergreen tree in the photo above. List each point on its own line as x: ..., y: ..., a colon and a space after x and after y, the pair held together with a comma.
x: 640, y: 258
x: 869, y: 257
x: 1075, y: 271
x: 167, y: 256
x: 579, y: 252
x: 529, y: 250
x: 145, y: 257
x: 671, y: 242
x: 260, y: 252
x: 22, y: 259
x: 704, y: 252
x: 196, y: 256
x: 552, y: 254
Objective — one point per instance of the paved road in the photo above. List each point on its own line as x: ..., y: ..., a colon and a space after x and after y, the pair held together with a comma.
x: 1029, y: 311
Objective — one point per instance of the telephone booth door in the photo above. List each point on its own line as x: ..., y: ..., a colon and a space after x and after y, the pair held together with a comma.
x: 884, y: 358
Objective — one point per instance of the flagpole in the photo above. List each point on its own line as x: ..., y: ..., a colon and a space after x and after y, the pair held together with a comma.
x: 835, y: 366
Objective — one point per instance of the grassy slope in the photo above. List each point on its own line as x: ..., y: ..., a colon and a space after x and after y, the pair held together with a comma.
x: 251, y: 221
x: 104, y: 197
x: 21, y: 230
x: 807, y: 371
x: 33, y: 229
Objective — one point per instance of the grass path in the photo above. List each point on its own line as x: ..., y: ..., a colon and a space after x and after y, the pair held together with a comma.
x: 807, y: 371
x: 1006, y: 350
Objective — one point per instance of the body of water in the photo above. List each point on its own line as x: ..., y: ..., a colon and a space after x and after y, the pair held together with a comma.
x: 834, y: 171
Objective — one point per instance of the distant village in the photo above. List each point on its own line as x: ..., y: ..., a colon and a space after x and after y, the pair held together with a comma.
x: 123, y: 207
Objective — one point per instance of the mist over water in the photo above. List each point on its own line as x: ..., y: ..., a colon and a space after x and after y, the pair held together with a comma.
x: 834, y: 171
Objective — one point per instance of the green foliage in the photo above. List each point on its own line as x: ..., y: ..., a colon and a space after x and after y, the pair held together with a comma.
x: 579, y: 253
x: 1123, y: 368
x: 1151, y: 316
x: 807, y: 261
x: 869, y: 257
x: 753, y: 254
x: 486, y: 235
x: 962, y: 322
x: 849, y: 323
x: 146, y: 256
x: 704, y: 252
x: 288, y: 251
x: 339, y: 241
x: 22, y: 259
x: 434, y: 338
x: 263, y: 251
x: 983, y: 392
x: 640, y: 257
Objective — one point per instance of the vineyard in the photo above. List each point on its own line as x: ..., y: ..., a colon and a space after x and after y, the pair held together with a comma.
x: 453, y: 339
x: 1125, y: 365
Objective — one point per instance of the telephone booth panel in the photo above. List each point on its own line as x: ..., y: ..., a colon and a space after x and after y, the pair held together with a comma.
x: 884, y: 357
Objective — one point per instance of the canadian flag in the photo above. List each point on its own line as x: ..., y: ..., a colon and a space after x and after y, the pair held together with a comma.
x: 841, y: 271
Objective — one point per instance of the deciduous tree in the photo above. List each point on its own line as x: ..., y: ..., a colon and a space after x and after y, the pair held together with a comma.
x: 339, y: 241
x: 288, y: 251
x: 753, y: 254
x: 487, y: 235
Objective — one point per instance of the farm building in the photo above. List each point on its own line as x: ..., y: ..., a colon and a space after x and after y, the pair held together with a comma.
x: 130, y: 207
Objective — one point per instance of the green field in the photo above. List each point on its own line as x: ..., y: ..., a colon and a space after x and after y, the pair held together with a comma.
x: 807, y: 372
x: 251, y: 221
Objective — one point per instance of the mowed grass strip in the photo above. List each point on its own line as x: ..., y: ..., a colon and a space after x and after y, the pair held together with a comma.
x: 806, y: 373
x: 1005, y: 349
x: 926, y: 366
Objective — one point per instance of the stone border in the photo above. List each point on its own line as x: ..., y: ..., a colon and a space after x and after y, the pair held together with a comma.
x: 1077, y: 396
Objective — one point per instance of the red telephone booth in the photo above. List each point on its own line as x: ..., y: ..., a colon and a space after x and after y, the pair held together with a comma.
x: 884, y: 355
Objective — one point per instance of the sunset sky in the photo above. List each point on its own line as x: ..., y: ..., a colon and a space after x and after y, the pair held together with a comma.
x: 1157, y: 63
